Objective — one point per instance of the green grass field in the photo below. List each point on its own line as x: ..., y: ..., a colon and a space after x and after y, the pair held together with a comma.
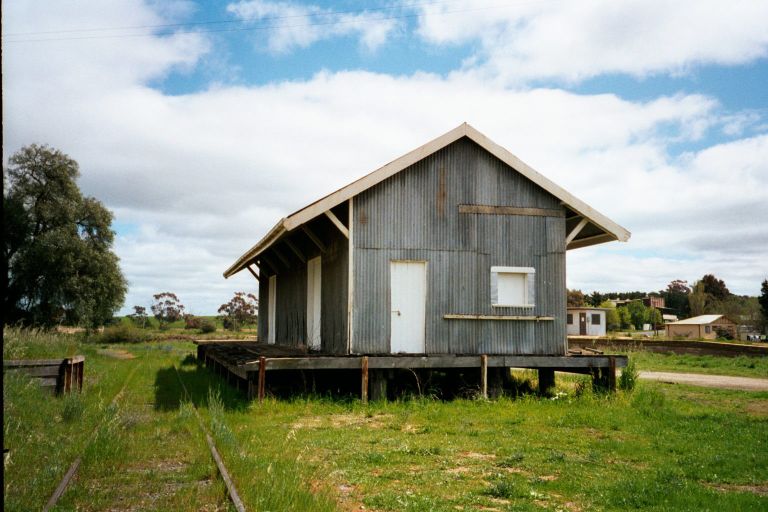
x: 662, y: 447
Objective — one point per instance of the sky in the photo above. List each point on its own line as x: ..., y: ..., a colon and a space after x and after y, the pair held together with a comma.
x: 201, y: 124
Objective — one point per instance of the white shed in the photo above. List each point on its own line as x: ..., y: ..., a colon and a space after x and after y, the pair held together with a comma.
x: 585, y: 321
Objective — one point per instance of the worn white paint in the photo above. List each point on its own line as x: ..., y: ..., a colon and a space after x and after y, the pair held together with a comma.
x: 408, y: 301
x: 271, y: 328
x: 313, y: 303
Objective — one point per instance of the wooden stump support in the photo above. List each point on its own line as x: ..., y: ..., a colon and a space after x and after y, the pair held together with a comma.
x: 364, y: 383
x: 262, y: 377
x: 484, y: 376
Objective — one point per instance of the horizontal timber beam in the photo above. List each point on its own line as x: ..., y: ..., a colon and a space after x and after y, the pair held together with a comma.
x: 510, y: 210
x: 436, y: 361
x: 497, y: 317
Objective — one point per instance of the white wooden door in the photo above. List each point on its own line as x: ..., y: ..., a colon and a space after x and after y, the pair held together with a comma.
x: 408, y: 300
x: 313, y: 303
x: 271, y: 328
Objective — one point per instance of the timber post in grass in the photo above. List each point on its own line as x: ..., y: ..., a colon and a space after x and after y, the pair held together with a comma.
x: 262, y: 377
x: 484, y: 376
x: 364, y: 383
x: 546, y: 380
x: 455, y: 249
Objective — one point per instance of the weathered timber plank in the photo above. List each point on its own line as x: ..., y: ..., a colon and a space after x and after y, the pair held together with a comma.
x: 562, y: 361
x: 510, y: 210
x: 496, y: 317
x: 40, y: 371
x: 18, y: 363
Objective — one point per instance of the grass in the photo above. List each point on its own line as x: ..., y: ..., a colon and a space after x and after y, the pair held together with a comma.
x: 738, y: 366
x: 659, y: 448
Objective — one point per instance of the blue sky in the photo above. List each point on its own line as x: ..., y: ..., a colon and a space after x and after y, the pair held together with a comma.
x: 200, y: 124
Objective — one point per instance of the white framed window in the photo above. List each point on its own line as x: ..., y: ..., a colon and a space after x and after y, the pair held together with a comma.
x: 513, y: 287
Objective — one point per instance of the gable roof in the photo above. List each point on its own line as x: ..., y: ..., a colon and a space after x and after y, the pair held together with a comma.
x: 700, y: 320
x: 607, y: 229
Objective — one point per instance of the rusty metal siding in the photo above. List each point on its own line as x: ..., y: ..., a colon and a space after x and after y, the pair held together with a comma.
x: 414, y: 216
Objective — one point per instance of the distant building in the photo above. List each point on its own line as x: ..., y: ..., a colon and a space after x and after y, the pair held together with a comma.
x: 701, y: 327
x: 650, y: 301
x: 585, y: 321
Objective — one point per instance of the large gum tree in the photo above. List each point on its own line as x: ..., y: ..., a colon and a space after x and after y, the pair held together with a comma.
x: 57, y: 245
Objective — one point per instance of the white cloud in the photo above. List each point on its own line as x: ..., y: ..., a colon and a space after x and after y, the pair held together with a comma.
x: 572, y: 41
x: 202, y: 176
x: 299, y: 26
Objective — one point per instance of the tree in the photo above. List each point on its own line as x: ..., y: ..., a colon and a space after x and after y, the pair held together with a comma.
x: 625, y: 318
x: 763, y: 299
x: 57, y: 245
x: 676, y: 297
x: 715, y: 287
x: 596, y: 299
x: 655, y: 318
x: 697, y: 300
x: 638, y: 312
x: 167, y: 308
x: 612, y: 320
x: 575, y: 298
x: 139, y: 316
x: 241, y: 310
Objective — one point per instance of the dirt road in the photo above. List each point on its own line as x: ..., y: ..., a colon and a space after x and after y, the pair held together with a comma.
x: 710, y: 381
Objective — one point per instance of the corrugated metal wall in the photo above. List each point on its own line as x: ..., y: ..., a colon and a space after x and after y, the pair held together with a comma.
x: 291, y: 314
x: 414, y: 215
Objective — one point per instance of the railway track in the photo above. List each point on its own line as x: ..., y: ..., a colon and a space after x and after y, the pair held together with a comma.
x: 216, y: 456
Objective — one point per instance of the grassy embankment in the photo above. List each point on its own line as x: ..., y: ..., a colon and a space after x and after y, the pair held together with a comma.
x: 662, y: 447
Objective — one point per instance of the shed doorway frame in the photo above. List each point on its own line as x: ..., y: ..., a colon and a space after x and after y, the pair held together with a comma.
x: 314, y: 303
x: 408, y: 306
x: 272, y: 311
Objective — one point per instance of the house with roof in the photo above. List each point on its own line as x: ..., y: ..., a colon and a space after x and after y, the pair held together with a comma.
x: 585, y: 321
x: 705, y: 327
x: 457, y: 247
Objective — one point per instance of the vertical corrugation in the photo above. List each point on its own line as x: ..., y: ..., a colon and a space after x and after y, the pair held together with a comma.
x: 414, y: 215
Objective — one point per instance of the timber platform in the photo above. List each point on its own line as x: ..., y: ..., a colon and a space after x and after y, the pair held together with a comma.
x: 246, y: 365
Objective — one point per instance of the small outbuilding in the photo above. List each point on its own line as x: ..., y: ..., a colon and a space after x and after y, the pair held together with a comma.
x: 705, y: 327
x: 585, y: 321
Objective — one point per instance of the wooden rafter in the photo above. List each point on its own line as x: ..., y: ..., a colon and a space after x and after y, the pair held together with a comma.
x: 295, y: 250
x: 575, y: 231
x: 337, y: 223
x: 281, y: 256
x: 250, y: 269
x: 320, y: 245
x: 269, y: 262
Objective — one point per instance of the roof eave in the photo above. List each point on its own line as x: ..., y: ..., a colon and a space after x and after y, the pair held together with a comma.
x: 276, y: 232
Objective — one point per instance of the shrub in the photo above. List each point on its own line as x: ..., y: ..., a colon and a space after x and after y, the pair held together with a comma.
x: 122, y: 333
x: 192, y: 322
x: 241, y: 310
x: 207, y: 326
x: 629, y: 376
